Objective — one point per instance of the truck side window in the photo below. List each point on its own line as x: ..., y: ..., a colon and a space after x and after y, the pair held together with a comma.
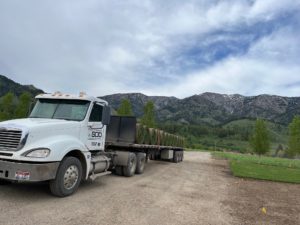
x: 96, y: 114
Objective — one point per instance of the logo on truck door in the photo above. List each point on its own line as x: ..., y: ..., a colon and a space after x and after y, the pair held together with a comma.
x: 95, y: 137
x: 94, y: 134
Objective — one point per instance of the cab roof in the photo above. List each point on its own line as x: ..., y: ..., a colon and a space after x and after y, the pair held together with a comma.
x: 81, y: 96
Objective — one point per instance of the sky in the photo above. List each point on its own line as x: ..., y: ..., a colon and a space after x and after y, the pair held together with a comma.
x: 170, y: 47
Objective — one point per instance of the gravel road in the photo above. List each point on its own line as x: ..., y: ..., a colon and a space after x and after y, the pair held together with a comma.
x: 199, y: 190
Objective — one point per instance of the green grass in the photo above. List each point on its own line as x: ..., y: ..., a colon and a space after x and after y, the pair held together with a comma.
x: 263, y: 160
x: 264, y: 172
x: 264, y: 168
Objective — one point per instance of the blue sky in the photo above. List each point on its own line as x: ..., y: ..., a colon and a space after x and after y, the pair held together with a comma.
x: 173, y: 48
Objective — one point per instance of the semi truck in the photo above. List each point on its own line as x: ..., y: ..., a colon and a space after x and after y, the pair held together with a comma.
x: 68, y: 139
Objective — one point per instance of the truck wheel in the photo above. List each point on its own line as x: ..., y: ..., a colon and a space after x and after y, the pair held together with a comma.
x: 68, y: 177
x: 129, y: 170
x: 140, y: 163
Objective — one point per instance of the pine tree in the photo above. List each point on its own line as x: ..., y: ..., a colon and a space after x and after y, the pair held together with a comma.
x: 260, y: 141
x: 278, y: 149
x: 23, y: 106
x: 148, y: 117
x: 7, y: 106
x: 125, y: 108
x: 294, y: 137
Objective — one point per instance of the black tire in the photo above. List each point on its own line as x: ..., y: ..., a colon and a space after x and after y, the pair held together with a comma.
x: 71, y: 167
x: 140, y: 163
x: 129, y: 170
x: 180, y: 157
x: 119, y: 170
x: 4, y: 182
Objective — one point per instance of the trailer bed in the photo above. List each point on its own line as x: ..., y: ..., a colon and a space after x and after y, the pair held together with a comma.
x: 133, y: 146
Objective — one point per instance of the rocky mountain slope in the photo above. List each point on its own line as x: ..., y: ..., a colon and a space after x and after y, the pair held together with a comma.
x: 214, y: 109
x: 8, y: 85
x: 206, y: 108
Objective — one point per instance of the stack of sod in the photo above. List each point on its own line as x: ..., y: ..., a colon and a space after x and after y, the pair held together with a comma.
x: 152, y: 136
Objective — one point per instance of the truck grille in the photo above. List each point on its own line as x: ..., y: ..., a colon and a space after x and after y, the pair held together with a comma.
x: 10, y: 139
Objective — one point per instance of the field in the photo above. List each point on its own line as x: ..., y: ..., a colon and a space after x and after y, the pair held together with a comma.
x: 264, y: 168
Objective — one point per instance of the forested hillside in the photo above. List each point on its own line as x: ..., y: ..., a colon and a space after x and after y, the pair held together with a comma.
x: 8, y: 85
x: 207, y: 120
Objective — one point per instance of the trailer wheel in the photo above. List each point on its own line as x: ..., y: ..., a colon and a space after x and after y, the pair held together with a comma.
x: 140, y: 164
x: 129, y: 170
x: 68, y: 177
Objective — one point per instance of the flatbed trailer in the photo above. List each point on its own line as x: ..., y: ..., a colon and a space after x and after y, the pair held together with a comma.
x: 122, y: 136
x: 68, y: 139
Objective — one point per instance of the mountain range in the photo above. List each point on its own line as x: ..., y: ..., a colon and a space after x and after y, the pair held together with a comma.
x: 207, y: 108
x: 212, y: 108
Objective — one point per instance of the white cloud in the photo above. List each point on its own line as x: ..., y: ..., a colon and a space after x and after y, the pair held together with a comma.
x: 105, y: 47
x: 270, y: 66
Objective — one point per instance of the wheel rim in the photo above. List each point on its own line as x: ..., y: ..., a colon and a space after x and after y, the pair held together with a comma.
x: 71, y: 177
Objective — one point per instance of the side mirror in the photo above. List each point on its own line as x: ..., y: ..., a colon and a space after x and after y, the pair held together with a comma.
x: 106, y: 115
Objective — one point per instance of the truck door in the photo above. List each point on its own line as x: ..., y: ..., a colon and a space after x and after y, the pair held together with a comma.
x: 96, y: 130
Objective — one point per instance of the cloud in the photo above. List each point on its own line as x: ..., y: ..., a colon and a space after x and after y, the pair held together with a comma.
x: 270, y: 66
x: 156, y: 47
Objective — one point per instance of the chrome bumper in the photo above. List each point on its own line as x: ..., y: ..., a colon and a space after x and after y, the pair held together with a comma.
x: 27, y: 171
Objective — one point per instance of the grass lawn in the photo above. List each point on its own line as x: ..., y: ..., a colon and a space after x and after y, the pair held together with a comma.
x: 264, y: 168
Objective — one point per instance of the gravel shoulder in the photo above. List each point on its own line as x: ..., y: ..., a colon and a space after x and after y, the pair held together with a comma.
x: 199, y: 190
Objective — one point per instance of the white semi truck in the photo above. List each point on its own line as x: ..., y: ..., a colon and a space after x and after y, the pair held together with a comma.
x: 71, y: 138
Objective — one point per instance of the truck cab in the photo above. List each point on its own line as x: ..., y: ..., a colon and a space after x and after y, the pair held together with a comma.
x: 59, y: 126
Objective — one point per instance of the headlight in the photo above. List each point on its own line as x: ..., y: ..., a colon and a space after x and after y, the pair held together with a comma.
x: 38, y: 153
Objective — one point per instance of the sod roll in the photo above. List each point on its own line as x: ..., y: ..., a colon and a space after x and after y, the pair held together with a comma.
x: 152, y: 136
x: 140, y: 134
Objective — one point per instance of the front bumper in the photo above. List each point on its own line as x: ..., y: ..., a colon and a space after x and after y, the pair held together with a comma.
x: 27, y: 171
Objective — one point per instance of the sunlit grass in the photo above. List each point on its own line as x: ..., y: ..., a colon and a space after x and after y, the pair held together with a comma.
x: 265, y: 168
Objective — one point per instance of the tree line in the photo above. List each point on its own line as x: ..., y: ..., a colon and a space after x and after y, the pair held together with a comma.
x: 148, y: 118
x: 260, y: 140
x: 13, y: 107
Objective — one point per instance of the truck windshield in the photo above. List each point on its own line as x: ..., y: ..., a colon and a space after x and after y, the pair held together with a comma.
x: 60, y: 109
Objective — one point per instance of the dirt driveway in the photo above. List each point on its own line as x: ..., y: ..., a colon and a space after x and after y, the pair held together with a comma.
x: 198, y: 191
